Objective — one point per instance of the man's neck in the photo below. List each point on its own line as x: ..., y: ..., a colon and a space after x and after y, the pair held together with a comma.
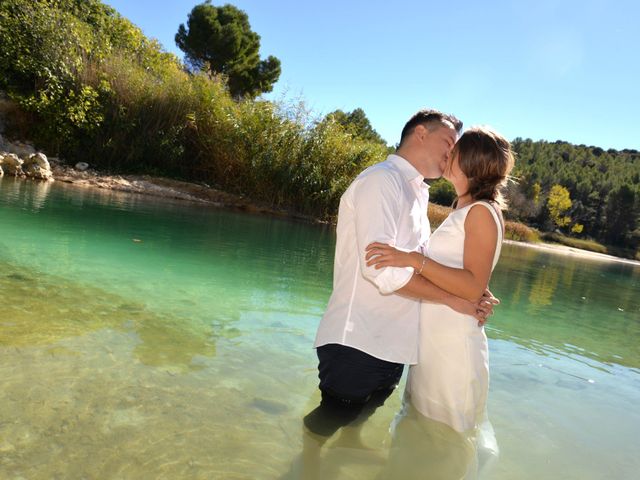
x: 406, y: 154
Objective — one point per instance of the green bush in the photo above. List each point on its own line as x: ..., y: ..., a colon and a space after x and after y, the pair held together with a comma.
x: 253, y: 147
x: 442, y: 192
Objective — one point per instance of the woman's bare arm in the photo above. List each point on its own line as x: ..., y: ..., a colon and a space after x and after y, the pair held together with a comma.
x: 468, y: 282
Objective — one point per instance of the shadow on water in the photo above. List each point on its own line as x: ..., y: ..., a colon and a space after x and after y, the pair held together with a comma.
x: 39, y: 310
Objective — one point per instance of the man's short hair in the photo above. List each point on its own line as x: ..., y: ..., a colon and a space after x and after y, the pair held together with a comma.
x: 430, y: 119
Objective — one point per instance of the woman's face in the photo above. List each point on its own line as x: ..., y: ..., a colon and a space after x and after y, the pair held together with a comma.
x: 455, y: 175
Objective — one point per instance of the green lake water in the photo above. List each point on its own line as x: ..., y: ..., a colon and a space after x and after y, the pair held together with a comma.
x: 144, y: 338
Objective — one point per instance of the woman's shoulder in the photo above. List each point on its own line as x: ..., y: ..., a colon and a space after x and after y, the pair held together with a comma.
x: 485, y: 212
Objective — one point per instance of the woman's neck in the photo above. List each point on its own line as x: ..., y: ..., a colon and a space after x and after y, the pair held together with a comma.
x: 464, y: 200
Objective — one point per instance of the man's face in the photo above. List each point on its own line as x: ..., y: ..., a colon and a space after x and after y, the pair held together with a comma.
x: 437, y: 146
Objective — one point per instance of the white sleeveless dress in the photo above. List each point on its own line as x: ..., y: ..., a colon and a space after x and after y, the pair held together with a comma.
x: 451, y: 380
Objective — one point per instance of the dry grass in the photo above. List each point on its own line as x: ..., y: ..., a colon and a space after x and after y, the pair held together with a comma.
x: 437, y: 214
x: 521, y: 232
x: 514, y: 230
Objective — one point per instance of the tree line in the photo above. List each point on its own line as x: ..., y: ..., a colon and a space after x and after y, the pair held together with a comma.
x: 581, y: 191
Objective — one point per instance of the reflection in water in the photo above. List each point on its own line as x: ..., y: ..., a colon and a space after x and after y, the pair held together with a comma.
x: 567, y: 274
x: 40, y: 193
x: 423, y: 448
x: 31, y: 194
x: 543, y: 288
x: 417, y: 448
x: 554, y: 303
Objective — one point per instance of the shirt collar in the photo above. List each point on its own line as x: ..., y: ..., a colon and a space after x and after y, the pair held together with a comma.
x: 409, y: 172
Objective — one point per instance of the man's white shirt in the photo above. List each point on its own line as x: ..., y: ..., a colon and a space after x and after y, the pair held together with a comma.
x: 386, y: 203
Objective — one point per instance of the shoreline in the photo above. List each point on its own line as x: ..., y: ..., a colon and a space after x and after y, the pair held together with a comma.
x: 574, y: 252
x: 168, y: 188
x: 201, y: 193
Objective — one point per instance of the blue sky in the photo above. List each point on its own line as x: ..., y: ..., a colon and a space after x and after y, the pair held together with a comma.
x: 540, y: 69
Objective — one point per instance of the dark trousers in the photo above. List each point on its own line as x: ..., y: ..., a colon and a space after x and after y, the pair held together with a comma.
x: 353, y: 385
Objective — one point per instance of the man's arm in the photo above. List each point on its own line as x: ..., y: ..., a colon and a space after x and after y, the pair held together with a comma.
x: 376, y: 209
x: 421, y: 288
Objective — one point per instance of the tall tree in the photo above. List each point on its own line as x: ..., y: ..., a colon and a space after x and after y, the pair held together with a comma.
x: 621, y: 215
x: 357, y: 124
x: 220, y: 40
x: 558, y: 203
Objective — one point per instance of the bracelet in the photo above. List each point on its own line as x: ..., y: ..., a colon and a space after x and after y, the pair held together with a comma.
x: 424, y: 260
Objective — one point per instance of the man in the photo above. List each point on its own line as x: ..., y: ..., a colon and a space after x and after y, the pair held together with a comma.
x: 370, y: 328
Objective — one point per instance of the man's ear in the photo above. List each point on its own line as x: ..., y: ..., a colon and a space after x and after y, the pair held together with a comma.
x: 421, y: 131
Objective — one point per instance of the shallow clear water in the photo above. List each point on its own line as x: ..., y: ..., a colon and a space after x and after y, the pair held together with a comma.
x: 144, y: 338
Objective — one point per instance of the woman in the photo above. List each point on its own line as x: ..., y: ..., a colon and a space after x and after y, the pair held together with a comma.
x: 450, y: 382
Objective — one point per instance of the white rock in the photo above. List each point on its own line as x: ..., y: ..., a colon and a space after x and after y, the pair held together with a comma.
x: 81, y: 166
x: 33, y: 170
x: 12, y: 164
x: 37, y: 166
x: 39, y: 159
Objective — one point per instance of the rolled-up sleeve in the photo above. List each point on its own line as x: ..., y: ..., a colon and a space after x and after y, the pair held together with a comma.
x: 376, y: 208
